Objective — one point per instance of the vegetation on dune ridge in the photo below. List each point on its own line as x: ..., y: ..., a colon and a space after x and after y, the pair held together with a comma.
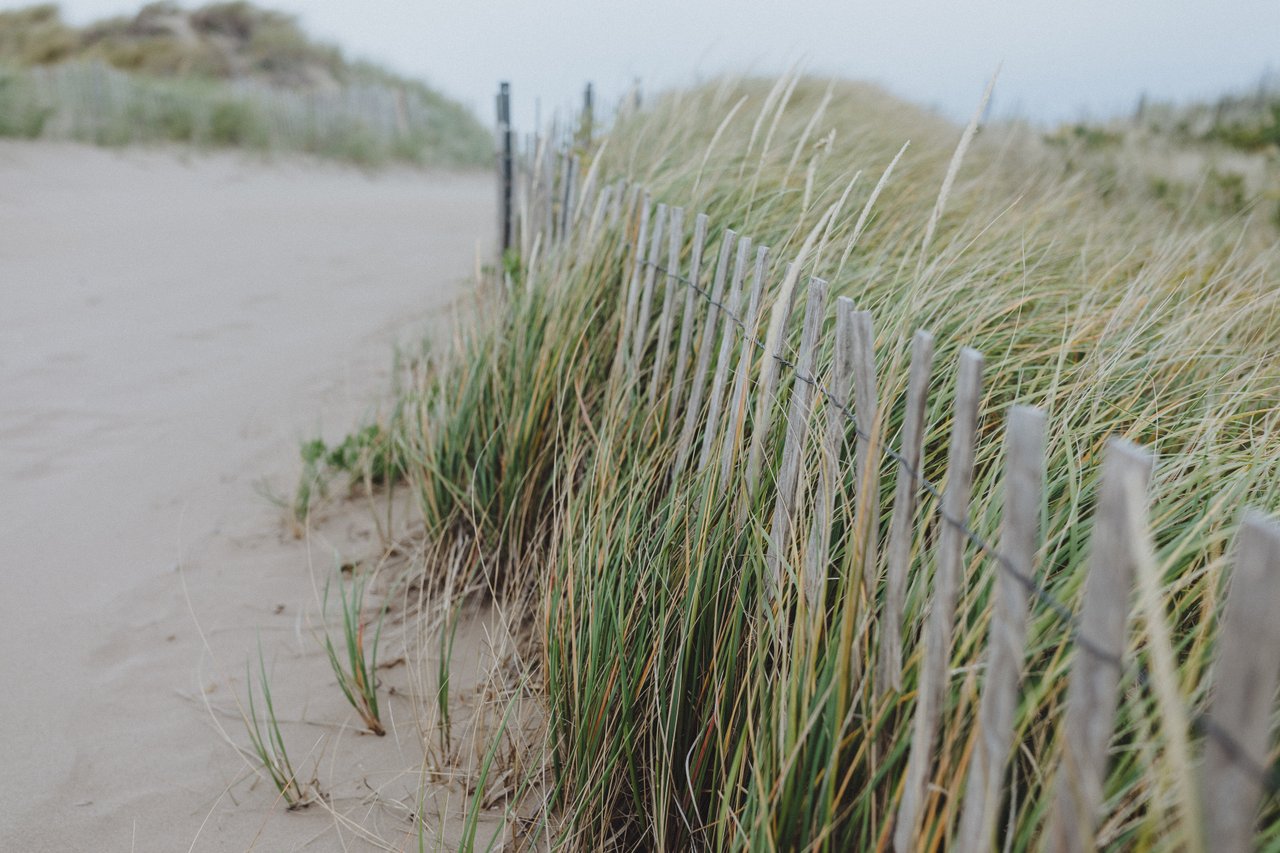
x: 225, y: 74
x: 673, y: 721
x: 1204, y: 160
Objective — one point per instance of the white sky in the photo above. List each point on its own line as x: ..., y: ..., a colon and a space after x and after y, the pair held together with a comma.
x: 1061, y: 58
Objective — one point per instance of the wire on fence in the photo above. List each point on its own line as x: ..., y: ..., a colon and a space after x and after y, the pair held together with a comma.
x: 1267, y: 777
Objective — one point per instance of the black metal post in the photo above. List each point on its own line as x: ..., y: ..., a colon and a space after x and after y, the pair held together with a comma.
x: 506, y: 167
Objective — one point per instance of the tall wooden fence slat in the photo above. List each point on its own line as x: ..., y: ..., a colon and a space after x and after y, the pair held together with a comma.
x: 1020, y: 532
x: 736, y: 413
x: 716, y: 400
x: 637, y: 275
x: 866, y: 406
x: 817, y: 555
x: 646, y: 293
x: 586, y: 190
x: 686, y: 322
x: 770, y: 370
x: 902, y: 524
x: 598, y: 215
x: 1094, y: 689
x: 615, y: 209
x: 797, y: 430
x: 674, y: 244
x: 569, y: 200
x: 936, y: 666
x: 697, y: 388
x: 548, y: 193
x: 528, y: 171
x: 1244, y: 689
x: 561, y: 179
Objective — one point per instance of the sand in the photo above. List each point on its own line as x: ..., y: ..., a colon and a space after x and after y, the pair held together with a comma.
x: 171, y: 326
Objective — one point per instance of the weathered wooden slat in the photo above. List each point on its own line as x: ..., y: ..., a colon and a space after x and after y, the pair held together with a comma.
x: 936, y: 665
x: 646, y: 294
x: 584, y: 192
x: 1244, y: 688
x: 546, y: 180
x: 817, y: 555
x: 686, y: 322
x: 1019, y: 538
x: 674, y: 244
x: 770, y: 369
x: 637, y: 275
x: 615, y: 209
x: 797, y: 431
x: 737, y: 412
x: 527, y: 168
x: 569, y: 200
x: 693, y: 411
x: 1094, y: 688
x: 561, y: 176
x: 902, y: 524
x: 716, y: 400
x: 866, y: 406
x: 598, y: 215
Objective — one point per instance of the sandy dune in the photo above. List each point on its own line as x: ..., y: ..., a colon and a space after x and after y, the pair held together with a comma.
x: 170, y: 327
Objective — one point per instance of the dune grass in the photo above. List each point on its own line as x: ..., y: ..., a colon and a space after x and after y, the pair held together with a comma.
x: 226, y: 75
x: 266, y: 741
x: 369, y: 124
x: 356, y: 665
x: 675, y: 719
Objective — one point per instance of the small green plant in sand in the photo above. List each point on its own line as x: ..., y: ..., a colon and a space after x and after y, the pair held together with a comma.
x: 356, y: 673
x: 268, y: 743
x: 365, y: 456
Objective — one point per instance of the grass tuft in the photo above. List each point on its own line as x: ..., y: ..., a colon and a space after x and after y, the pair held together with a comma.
x: 357, y: 667
x: 268, y: 743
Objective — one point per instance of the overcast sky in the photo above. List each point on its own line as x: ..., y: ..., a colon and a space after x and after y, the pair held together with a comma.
x: 1062, y: 59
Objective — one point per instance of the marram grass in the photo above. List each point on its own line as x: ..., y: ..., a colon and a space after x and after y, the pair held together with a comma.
x: 676, y: 720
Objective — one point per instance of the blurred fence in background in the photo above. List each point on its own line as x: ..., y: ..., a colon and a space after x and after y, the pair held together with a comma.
x: 363, y: 120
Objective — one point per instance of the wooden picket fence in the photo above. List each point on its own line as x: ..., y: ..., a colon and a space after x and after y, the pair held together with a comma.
x: 549, y: 205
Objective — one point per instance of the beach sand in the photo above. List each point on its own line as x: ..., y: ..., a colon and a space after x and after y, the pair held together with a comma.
x: 171, y: 327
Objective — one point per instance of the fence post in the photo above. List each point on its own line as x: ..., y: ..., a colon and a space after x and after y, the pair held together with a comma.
x: 818, y: 553
x: 867, y: 448
x: 633, y: 288
x: 1093, y: 691
x: 588, y: 113
x: 615, y: 209
x: 737, y: 411
x: 505, y: 167
x: 684, y: 446
x: 601, y: 209
x: 675, y: 242
x: 769, y: 369
x: 902, y: 525
x: 686, y: 322
x: 527, y: 195
x: 935, y: 668
x: 1244, y: 686
x: 797, y: 429
x: 646, y: 294
x: 567, y: 207
x: 722, y: 362
x: 1023, y: 493
x: 548, y: 192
